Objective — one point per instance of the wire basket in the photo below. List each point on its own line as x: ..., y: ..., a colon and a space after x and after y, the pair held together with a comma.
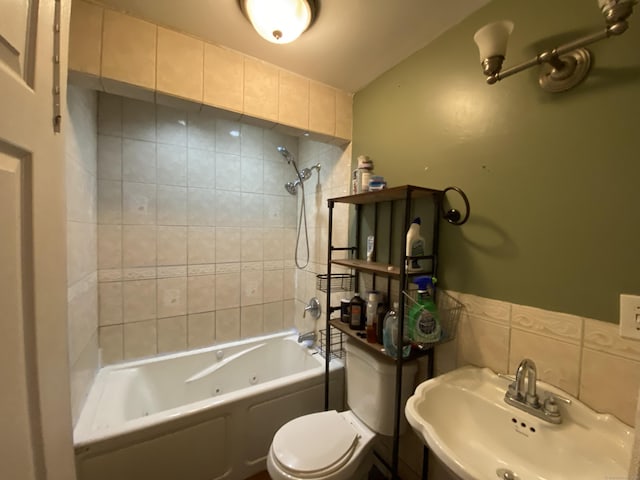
x: 449, y: 310
x: 336, y: 343
x: 339, y: 282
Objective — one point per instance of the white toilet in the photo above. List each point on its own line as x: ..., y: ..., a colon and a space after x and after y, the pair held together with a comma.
x: 338, y: 446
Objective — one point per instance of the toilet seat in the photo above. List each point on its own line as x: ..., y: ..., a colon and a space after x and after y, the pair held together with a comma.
x: 329, y: 443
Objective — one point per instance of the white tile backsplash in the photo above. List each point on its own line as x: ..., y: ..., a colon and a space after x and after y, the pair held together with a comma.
x: 183, y: 199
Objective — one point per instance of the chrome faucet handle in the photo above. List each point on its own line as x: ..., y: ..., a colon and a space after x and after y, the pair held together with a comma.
x: 559, y: 398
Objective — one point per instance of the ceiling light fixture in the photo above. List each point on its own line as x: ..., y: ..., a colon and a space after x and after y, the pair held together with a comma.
x: 563, y: 67
x: 280, y: 21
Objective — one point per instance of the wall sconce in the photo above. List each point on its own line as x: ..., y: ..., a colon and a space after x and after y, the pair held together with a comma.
x: 280, y: 21
x: 563, y: 67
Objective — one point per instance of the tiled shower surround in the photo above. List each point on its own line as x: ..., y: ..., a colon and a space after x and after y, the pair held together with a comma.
x: 196, y: 232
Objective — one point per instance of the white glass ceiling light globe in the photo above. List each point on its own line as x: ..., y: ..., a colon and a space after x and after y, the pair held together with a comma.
x: 279, y: 21
x: 492, y: 39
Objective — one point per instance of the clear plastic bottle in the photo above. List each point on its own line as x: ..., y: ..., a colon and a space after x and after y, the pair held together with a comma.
x: 390, y: 334
x: 372, y: 316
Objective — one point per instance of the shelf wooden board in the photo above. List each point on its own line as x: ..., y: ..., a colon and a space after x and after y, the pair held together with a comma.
x: 369, y: 267
x: 383, y: 269
x: 375, y: 347
x: 386, y: 195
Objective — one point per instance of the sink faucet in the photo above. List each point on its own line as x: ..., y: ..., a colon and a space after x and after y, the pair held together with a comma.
x: 303, y: 337
x: 527, y: 367
x: 528, y: 401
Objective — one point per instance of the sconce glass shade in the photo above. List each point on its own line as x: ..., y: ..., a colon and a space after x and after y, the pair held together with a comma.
x: 492, y: 39
x: 278, y: 21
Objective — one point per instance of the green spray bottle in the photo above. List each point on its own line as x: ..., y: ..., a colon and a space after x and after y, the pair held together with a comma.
x: 424, y: 321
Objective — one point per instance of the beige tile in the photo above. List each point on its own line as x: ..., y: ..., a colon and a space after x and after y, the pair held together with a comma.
x: 251, y: 174
x: 201, y: 245
x: 171, y: 164
x: 201, y: 130
x: 140, y: 339
x: 201, y: 293
x: 227, y: 325
x: 322, y: 109
x: 129, y: 50
x: 109, y: 114
x: 293, y: 105
x: 172, y: 297
x: 109, y: 246
x: 483, y: 343
x: 273, y: 211
x: 552, y: 324
x: 172, y: 205
x: 139, y: 298
x: 82, y: 315
x: 251, y: 246
x: 109, y: 202
x: 172, y: 245
x: 223, y: 78
x: 228, y: 167
x: 110, y: 301
x: 289, y: 314
x: 557, y: 362
x: 228, y: 136
x: 138, y: 120
x: 605, y: 336
x: 109, y: 157
x: 82, y: 250
x: 201, y: 207
x: 610, y: 384
x: 111, y: 339
x: 251, y: 321
x: 273, y: 316
x: 344, y: 115
x: 252, y: 285
x: 172, y: 334
x: 260, y: 90
x: 171, y: 125
x: 273, y: 244
x: 228, y: 244
x: 227, y: 290
x: 486, y: 308
x: 180, y: 65
x: 273, y: 285
x: 289, y: 284
x: 201, y: 329
x: 201, y: 168
x: 138, y: 203
x: 139, y: 246
x: 85, y: 38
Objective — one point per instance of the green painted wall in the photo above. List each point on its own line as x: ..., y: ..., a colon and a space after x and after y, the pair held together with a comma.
x: 553, y: 180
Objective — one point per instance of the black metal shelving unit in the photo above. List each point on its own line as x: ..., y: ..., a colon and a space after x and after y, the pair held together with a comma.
x: 404, y: 197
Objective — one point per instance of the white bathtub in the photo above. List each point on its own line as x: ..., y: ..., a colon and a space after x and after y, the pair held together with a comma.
x: 203, y: 415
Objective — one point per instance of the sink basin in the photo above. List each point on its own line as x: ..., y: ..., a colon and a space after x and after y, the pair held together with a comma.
x: 463, y: 418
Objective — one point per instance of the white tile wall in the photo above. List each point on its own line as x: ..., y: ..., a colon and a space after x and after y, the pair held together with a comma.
x: 585, y: 357
x: 82, y: 214
x: 195, y: 229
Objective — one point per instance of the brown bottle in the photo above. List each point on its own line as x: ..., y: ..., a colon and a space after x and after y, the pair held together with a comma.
x: 358, y: 320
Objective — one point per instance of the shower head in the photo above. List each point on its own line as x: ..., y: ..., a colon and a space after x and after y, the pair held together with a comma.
x: 286, y: 154
x: 303, y: 176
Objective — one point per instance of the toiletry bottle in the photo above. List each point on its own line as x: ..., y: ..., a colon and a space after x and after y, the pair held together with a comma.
x: 390, y: 334
x: 345, y: 310
x: 358, y: 320
x: 372, y: 317
x: 424, y: 321
x: 370, y: 246
x: 415, y: 246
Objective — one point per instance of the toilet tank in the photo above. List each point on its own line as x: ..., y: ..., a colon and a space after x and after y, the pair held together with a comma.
x: 371, y: 387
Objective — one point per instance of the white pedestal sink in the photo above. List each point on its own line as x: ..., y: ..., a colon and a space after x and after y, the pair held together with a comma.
x: 462, y: 417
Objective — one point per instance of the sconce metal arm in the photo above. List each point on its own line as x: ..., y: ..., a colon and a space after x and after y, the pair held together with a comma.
x: 553, y: 56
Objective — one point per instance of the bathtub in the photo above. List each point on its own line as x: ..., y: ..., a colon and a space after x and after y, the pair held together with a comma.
x: 205, y: 414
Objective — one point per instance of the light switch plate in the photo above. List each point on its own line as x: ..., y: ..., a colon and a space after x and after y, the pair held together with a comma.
x: 630, y: 316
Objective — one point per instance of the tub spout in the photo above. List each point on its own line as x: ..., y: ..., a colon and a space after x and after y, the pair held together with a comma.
x: 307, y: 337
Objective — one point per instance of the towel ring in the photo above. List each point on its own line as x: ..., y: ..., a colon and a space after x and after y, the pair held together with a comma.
x: 453, y: 216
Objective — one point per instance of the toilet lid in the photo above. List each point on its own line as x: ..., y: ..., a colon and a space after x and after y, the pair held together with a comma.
x: 315, y: 443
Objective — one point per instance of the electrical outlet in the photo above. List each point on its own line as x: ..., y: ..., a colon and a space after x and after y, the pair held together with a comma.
x: 630, y: 316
